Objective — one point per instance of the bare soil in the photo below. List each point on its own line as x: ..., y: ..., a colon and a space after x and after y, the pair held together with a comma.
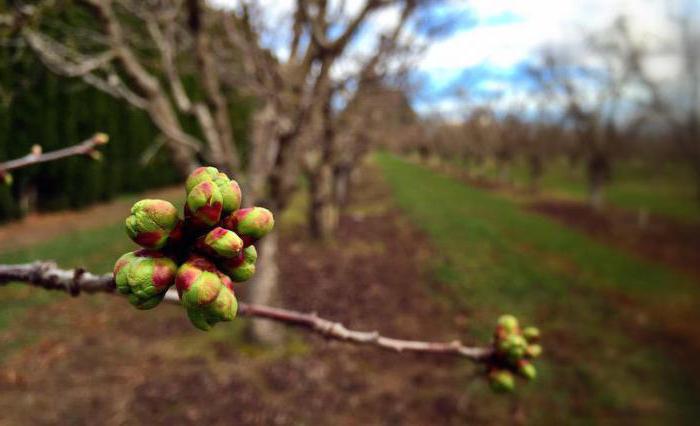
x: 659, y: 240
x: 98, y: 361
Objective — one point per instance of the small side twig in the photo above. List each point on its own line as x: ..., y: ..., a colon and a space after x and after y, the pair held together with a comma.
x: 47, y: 275
x: 36, y: 156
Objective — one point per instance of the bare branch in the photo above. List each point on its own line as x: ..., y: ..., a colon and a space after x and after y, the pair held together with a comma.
x: 167, y: 53
x: 48, y: 276
x: 64, y: 61
x: 221, y: 137
x: 338, y: 45
x: 86, y: 147
x: 78, y: 67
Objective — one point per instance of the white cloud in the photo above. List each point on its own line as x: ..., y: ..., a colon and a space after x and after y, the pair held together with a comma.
x: 507, y: 32
x: 534, y: 24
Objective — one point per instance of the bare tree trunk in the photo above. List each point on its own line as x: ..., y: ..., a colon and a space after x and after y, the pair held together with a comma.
x: 28, y: 199
x: 341, y: 184
x: 536, y: 169
x: 323, y: 210
x: 424, y: 154
x: 504, y: 171
x: 596, y: 195
x: 263, y: 290
x: 598, y: 177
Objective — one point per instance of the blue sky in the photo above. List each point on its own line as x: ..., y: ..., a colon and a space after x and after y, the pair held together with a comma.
x: 485, y: 53
x: 488, y: 56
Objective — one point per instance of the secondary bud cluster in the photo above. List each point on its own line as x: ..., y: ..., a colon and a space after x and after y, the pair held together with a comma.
x: 202, y: 254
x: 514, y: 347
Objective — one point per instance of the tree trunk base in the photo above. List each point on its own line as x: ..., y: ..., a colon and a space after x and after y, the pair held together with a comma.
x: 263, y: 290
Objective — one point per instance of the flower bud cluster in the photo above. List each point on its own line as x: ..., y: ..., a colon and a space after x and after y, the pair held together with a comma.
x: 514, y: 350
x: 202, y: 254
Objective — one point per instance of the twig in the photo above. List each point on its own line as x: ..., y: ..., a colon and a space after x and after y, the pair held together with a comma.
x: 87, y: 147
x: 47, y: 275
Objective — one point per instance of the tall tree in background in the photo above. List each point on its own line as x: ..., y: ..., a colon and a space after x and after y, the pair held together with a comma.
x: 676, y: 101
x: 141, y: 52
x: 591, y: 90
x: 38, y: 107
x: 296, y: 93
x: 132, y: 52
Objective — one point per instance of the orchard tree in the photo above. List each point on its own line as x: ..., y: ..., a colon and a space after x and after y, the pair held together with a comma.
x: 675, y: 100
x: 591, y: 97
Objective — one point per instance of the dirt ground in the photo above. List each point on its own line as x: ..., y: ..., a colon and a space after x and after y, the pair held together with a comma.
x: 98, y: 361
x: 658, y: 240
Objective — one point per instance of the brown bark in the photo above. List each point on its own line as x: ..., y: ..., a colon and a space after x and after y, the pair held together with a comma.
x: 598, y: 170
x: 536, y: 170
x: 76, y: 281
x: 263, y: 290
x: 323, y: 209
x: 342, y: 173
x: 221, y: 140
x: 87, y: 147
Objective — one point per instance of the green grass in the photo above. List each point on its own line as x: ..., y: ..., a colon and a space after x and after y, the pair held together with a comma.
x: 669, y: 190
x: 499, y: 258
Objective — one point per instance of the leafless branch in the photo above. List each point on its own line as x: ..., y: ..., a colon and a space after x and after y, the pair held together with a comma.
x: 86, y: 147
x: 47, y: 275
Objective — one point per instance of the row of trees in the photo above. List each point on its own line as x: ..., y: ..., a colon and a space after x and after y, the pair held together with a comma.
x: 591, y: 105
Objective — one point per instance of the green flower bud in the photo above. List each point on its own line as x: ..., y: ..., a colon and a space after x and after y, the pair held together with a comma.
x: 230, y: 193
x: 206, y: 294
x: 204, y: 204
x: 151, y: 222
x: 502, y: 381
x: 533, y: 351
x: 222, y: 242
x: 509, y: 323
x: 250, y: 224
x: 100, y: 138
x: 199, y: 175
x: 527, y: 370
x: 144, y: 276
x: 121, y: 267
x: 513, y: 347
x: 95, y: 155
x: 532, y: 334
x: 242, y: 267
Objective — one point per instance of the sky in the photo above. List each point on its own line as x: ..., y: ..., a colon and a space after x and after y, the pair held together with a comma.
x: 494, y: 38
x: 487, y: 56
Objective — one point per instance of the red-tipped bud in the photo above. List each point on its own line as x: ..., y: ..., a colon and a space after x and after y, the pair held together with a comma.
x: 144, y: 276
x: 242, y: 267
x: 151, y: 222
x: 199, y: 175
x: 221, y: 242
x: 250, y: 224
x: 204, y: 204
x: 205, y: 293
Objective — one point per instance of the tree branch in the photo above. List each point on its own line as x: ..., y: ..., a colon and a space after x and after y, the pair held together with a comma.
x: 47, y: 275
x: 62, y: 60
x: 36, y: 156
